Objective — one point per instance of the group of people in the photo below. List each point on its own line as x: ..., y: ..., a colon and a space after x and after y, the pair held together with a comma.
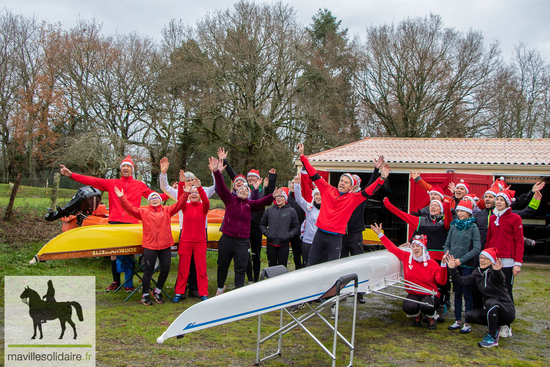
x: 479, y: 241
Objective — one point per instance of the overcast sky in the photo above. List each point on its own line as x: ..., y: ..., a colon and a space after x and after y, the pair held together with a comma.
x: 509, y: 21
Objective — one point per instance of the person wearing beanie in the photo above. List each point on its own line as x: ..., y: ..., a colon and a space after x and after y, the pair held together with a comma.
x: 157, y: 238
x: 464, y: 245
x: 258, y: 191
x: 505, y: 234
x: 421, y: 270
x: 498, y: 308
x: 435, y: 227
x: 173, y: 193
x: 134, y: 190
x: 338, y: 205
x: 279, y: 224
x: 235, y: 240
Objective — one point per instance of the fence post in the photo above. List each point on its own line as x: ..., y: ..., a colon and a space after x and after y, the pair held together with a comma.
x: 12, y: 198
x: 55, y: 190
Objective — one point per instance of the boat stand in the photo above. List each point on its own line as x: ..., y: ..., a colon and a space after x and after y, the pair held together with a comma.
x: 135, y: 272
x: 333, y: 297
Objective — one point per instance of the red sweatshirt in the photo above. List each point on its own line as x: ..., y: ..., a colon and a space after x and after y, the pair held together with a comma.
x: 194, y: 216
x: 157, y: 229
x: 507, y: 237
x: 425, y: 276
x: 133, y: 191
x: 336, y: 208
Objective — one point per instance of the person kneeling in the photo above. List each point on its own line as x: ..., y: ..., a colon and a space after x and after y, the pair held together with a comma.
x: 489, y: 279
x: 157, y: 239
x: 419, y: 269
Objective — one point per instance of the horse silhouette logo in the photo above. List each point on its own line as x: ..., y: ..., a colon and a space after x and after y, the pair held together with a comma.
x: 49, y: 309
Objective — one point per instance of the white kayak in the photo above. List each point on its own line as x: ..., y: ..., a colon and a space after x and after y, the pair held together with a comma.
x: 300, y: 286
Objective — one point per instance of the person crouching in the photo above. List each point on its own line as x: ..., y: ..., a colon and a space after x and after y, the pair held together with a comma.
x: 419, y: 269
x: 157, y: 239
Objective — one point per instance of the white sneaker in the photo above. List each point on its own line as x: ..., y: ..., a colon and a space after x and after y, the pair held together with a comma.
x: 455, y: 326
x: 465, y: 329
x: 505, y: 332
x: 220, y: 291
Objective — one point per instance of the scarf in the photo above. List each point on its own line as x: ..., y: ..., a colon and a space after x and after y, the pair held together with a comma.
x: 497, y: 213
x: 436, y: 218
x: 421, y: 259
x: 464, y: 223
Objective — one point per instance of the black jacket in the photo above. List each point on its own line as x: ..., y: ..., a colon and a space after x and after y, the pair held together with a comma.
x: 489, y: 282
x: 279, y: 225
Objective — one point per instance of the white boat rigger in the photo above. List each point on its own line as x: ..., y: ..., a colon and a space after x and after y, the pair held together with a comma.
x: 285, y: 290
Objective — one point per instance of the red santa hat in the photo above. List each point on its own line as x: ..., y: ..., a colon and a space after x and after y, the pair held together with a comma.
x: 437, y: 190
x: 352, y: 180
x: 239, y: 177
x: 491, y: 254
x: 357, y: 180
x: 499, y: 184
x: 284, y: 193
x: 253, y: 172
x: 472, y: 198
x: 508, y: 195
x: 151, y: 195
x: 465, y: 185
x: 422, y: 240
x: 492, y: 191
x: 128, y: 161
x: 465, y: 205
x: 439, y: 203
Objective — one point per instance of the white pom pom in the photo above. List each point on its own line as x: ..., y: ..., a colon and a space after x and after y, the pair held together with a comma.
x: 461, y: 180
x: 501, y: 178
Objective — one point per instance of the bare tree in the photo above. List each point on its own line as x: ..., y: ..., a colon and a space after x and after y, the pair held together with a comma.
x: 421, y: 79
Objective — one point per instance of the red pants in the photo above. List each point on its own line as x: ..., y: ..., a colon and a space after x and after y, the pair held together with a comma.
x: 198, y: 249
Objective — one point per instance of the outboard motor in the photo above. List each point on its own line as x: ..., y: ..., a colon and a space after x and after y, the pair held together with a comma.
x: 83, y: 203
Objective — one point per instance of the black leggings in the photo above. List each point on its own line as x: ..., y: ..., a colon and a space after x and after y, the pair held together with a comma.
x: 352, y: 244
x: 323, y: 241
x: 494, y: 315
x: 254, y: 261
x: 509, y: 279
x: 296, y: 244
x: 149, y: 259
x: 236, y: 249
x: 414, y: 309
x: 277, y: 255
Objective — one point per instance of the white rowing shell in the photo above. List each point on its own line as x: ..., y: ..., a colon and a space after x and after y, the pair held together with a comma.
x: 285, y: 290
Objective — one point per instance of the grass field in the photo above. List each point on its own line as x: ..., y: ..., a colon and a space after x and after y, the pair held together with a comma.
x: 127, y: 331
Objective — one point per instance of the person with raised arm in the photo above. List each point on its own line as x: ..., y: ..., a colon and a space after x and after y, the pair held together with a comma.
x: 234, y: 242
x: 157, y: 238
x: 135, y: 190
x: 419, y: 269
x: 338, y: 205
x: 498, y: 308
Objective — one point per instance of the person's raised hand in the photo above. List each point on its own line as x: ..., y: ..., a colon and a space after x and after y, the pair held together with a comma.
x: 537, y: 195
x: 213, y: 164
x: 188, y: 186
x: 182, y: 175
x: 257, y: 184
x: 197, y: 182
x: 266, y: 181
x: 385, y: 171
x: 450, y: 260
x: 300, y: 150
x: 378, y: 162
x: 222, y: 153
x: 273, y: 171
x: 164, y: 165
x: 498, y: 264
x: 538, y: 186
x: 414, y: 175
x: 65, y: 171
x: 376, y: 228
x: 452, y: 187
x: 277, y: 192
x: 118, y: 192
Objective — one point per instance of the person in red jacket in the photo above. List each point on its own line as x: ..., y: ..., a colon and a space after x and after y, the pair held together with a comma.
x: 193, y: 243
x: 134, y: 190
x: 338, y: 205
x: 419, y: 269
x: 157, y: 238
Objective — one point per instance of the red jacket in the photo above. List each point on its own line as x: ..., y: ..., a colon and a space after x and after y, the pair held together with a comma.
x: 194, y: 216
x: 507, y: 237
x: 157, y: 231
x: 425, y: 276
x: 133, y: 191
x: 336, y: 208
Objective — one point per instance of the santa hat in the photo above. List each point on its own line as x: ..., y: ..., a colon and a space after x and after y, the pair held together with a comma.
x: 465, y: 205
x: 499, y: 184
x: 128, y: 161
x: 472, y: 198
x: 284, y: 193
x: 439, y: 203
x: 464, y: 184
x: 254, y: 172
x: 239, y: 177
x: 153, y: 194
x: 352, y: 180
x: 357, y: 180
x: 244, y: 187
x: 437, y: 190
x: 491, y: 254
x: 508, y: 195
x: 421, y: 240
x: 492, y: 191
